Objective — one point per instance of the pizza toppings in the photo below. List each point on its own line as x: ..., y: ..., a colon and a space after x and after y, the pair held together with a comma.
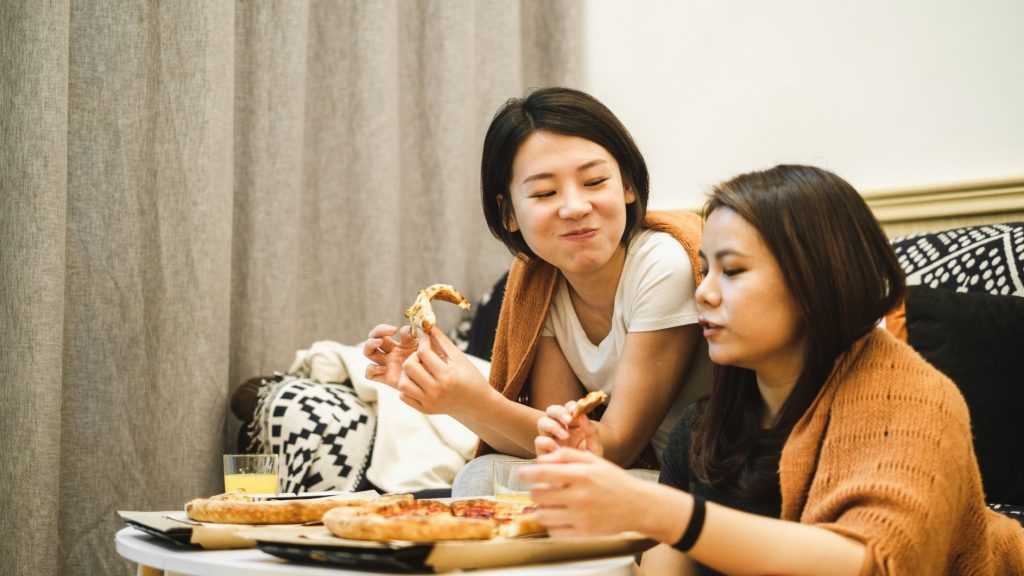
x: 421, y: 314
x: 587, y: 404
x: 392, y: 517
x: 430, y: 521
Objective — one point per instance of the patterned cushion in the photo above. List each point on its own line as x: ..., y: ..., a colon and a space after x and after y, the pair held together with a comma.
x: 988, y: 258
x: 323, y: 431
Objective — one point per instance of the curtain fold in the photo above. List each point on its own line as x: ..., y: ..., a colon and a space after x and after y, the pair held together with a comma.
x: 193, y: 190
x: 33, y: 223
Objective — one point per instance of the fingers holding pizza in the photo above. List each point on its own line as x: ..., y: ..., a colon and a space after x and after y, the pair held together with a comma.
x: 438, y: 378
x: 386, y: 354
x: 568, y: 426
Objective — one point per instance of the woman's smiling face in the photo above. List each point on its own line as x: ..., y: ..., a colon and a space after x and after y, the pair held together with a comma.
x: 568, y: 201
x: 748, y: 313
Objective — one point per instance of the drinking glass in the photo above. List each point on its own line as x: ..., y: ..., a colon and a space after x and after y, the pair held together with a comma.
x: 251, y: 473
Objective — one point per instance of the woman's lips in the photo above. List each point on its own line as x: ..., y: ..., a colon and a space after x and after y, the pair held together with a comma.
x: 710, y: 328
x: 580, y: 234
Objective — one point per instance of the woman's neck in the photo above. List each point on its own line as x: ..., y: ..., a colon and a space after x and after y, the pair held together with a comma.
x: 593, y: 296
x: 597, y: 289
x: 775, y: 390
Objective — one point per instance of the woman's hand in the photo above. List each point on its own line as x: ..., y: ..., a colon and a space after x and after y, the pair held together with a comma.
x: 386, y: 354
x: 558, y: 429
x: 439, y: 379
x: 580, y: 494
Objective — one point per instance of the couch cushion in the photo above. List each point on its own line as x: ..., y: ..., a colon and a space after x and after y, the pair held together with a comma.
x: 978, y: 341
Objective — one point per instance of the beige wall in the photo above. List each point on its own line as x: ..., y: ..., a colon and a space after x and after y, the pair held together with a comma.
x: 886, y: 94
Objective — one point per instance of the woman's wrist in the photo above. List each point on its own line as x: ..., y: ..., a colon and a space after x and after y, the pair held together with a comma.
x: 665, y: 513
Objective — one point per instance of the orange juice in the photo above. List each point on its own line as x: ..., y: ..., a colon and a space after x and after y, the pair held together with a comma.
x: 513, y: 497
x: 251, y: 483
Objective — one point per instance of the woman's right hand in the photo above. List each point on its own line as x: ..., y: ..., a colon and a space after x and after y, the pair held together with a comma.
x: 386, y: 354
x: 558, y: 429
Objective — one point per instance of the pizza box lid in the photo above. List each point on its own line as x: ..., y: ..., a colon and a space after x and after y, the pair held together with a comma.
x: 317, y: 544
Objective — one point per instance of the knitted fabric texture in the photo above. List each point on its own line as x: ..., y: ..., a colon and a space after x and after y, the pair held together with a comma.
x: 884, y: 456
x: 531, y: 284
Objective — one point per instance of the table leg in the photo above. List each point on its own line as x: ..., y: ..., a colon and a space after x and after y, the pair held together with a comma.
x: 148, y: 571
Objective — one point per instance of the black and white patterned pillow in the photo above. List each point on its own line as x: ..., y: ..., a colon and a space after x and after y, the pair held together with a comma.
x: 987, y: 258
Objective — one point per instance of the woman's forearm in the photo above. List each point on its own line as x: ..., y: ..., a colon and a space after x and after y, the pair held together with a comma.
x: 738, y: 542
x: 507, y: 426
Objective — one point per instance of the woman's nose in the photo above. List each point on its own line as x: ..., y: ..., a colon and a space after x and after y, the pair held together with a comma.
x: 707, y: 295
x: 575, y: 204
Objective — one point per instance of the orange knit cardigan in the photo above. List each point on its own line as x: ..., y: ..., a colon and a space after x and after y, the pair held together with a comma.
x: 884, y: 456
x: 528, y: 291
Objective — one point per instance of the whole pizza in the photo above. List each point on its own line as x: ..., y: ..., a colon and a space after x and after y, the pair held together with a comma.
x: 405, y: 518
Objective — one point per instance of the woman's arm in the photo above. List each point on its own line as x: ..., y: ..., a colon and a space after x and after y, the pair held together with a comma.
x: 438, y: 379
x: 646, y: 382
x: 581, y: 494
x: 664, y: 559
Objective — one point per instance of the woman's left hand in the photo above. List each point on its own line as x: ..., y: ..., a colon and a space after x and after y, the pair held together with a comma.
x: 439, y: 379
x: 580, y: 494
x: 558, y: 429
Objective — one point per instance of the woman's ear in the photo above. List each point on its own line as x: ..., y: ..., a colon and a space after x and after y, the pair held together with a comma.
x: 630, y: 195
x: 510, y: 219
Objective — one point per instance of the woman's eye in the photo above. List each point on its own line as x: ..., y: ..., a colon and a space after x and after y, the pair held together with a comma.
x: 597, y: 181
x: 732, y: 271
x: 544, y: 194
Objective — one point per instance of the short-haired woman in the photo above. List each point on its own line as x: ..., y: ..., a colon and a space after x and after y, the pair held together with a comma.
x: 599, y: 291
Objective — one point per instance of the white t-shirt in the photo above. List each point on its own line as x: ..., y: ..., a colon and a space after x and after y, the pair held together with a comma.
x: 655, y: 292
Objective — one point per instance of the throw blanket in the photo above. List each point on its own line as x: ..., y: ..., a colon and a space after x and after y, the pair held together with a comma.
x: 323, y: 432
x: 408, y: 450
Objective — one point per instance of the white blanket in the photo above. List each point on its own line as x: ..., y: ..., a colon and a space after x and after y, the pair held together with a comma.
x: 412, y: 451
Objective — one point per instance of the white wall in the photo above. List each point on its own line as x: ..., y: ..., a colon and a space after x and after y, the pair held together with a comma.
x: 885, y: 93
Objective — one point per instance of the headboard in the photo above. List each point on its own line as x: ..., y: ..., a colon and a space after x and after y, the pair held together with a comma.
x: 904, y: 211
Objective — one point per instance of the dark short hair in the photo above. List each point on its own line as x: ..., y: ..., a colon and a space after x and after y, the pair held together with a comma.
x: 844, y: 276
x: 561, y: 111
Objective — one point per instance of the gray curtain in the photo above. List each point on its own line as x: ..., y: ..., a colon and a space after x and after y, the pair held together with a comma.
x: 193, y: 190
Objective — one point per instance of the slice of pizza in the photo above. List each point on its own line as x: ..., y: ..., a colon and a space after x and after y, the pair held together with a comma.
x: 421, y: 314
x: 587, y: 404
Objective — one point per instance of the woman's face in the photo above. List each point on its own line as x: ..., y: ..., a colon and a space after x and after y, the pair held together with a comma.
x: 568, y: 201
x: 749, y: 316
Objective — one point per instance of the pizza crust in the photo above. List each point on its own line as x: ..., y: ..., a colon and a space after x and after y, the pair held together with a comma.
x: 587, y: 404
x: 251, y: 511
x: 421, y: 314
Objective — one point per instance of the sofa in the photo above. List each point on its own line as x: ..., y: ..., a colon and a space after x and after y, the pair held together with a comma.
x: 964, y: 313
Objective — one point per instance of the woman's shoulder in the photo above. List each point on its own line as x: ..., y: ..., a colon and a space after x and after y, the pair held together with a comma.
x: 651, y: 248
x: 891, y: 376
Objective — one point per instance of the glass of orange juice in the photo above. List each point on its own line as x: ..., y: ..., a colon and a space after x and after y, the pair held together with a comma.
x: 250, y: 473
x: 507, y: 486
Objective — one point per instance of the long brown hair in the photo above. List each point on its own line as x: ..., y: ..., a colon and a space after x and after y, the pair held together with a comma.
x: 844, y: 276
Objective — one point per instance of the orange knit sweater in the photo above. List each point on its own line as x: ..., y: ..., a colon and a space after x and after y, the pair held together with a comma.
x: 884, y: 456
x: 528, y: 292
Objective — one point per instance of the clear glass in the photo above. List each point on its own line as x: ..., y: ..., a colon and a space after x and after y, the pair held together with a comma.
x: 507, y: 486
x: 251, y: 473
